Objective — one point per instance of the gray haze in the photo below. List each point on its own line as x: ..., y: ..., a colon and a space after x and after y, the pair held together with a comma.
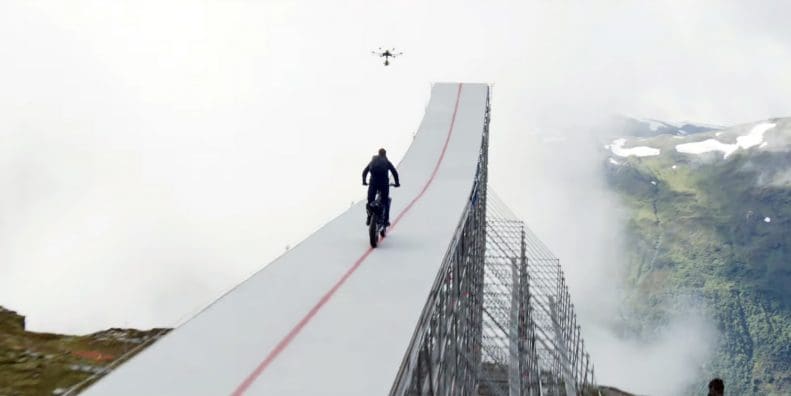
x: 562, y: 195
x: 154, y: 154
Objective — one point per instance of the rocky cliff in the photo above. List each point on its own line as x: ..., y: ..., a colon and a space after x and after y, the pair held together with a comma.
x: 52, y: 364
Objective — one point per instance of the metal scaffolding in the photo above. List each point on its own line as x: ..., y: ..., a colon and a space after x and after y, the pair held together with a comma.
x: 499, y: 319
x: 529, y: 322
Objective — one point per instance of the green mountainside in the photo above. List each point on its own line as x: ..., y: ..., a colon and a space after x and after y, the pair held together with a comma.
x: 51, y: 364
x: 716, y: 230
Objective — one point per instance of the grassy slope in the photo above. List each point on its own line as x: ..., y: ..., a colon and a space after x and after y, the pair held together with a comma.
x: 39, y: 363
x: 700, y: 231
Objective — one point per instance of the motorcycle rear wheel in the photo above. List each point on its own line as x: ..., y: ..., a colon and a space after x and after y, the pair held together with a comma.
x: 373, y: 236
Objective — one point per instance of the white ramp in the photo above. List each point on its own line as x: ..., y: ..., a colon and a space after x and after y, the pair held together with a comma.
x: 332, y: 316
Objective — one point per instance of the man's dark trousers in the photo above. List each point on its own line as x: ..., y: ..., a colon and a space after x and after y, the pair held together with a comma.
x: 383, y: 189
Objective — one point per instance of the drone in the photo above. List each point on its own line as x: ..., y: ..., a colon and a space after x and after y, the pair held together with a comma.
x: 387, y: 54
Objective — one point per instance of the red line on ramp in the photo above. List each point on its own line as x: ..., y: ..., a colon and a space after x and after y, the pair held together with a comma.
x: 273, y: 354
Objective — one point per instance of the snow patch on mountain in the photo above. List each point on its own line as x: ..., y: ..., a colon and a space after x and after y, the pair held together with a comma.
x: 640, y: 151
x: 756, y: 135
x: 706, y: 146
x: 754, y: 138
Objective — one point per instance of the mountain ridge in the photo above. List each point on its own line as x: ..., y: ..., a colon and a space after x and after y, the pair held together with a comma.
x: 713, y: 222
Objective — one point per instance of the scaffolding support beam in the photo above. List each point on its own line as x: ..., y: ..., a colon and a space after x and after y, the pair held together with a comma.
x: 499, y: 319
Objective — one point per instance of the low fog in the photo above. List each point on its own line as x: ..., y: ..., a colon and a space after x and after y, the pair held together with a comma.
x: 153, y: 155
x: 564, y: 199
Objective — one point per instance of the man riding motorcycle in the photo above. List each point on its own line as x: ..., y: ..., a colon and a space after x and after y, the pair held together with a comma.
x: 380, y: 182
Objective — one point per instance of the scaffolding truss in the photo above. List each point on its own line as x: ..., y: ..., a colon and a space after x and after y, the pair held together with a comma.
x: 530, y: 328
x: 499, y: 318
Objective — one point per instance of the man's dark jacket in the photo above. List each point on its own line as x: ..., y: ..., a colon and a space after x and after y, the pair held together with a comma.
x: 379, y: 168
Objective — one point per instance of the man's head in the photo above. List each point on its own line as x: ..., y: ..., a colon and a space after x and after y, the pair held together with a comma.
x: 382, y: 152
x: 716, y: 387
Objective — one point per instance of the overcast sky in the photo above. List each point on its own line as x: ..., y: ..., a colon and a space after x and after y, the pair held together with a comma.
x: 155, y: 153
